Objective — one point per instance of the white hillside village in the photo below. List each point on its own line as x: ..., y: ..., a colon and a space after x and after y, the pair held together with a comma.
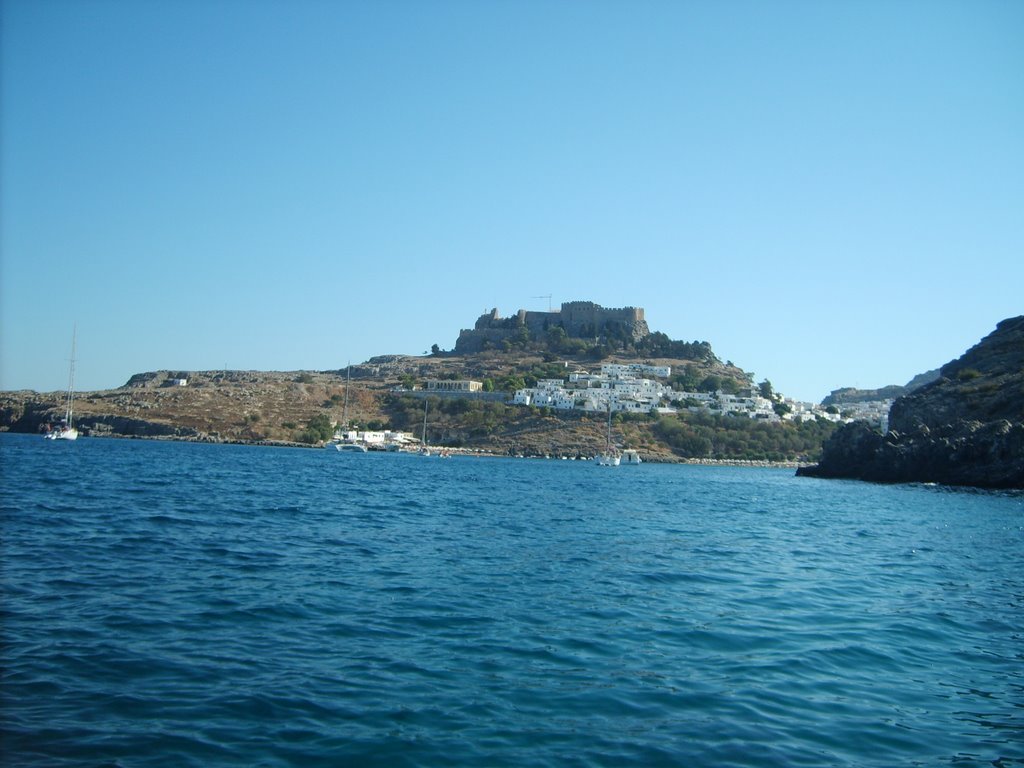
x: 635, y: 388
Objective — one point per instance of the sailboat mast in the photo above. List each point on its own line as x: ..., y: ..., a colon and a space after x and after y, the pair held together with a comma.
x: 425, y: 404
x: 348, y: 380
x: 71, y: 377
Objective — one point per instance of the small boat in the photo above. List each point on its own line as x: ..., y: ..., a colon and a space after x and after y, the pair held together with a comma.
x: 344, y: 440
x: 610, y: 457
x: 66, y: 429
x: 425, y: 449
x: 350, y: 447
x: 62, y: 431
x: 629, y: 456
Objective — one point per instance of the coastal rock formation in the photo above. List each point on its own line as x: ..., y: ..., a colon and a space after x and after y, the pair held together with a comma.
x: 965, y: 428
x: 847, y: 395
x: 218, y: 406
x: 30, y: 414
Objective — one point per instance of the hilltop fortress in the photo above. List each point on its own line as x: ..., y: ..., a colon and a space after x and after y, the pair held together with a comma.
x: 579, y: 319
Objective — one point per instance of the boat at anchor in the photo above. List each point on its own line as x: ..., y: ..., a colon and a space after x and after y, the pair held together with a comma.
x: 66, y: 429
x: 610, y: 457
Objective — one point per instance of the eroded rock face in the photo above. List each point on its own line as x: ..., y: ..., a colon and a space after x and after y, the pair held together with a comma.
x: 966, y: 428
x: 29, y: 416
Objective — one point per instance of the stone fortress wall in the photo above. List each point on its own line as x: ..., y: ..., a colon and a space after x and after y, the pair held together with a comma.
x: 579, y: 319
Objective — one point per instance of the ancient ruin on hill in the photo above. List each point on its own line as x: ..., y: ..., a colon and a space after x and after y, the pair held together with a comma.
x: 579, y: 319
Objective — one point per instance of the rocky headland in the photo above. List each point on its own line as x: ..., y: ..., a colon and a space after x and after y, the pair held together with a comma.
x: 966, y: 428
x: 848, y: 395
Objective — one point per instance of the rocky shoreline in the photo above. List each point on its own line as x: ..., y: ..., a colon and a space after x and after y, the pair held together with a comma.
x: 964, y: 429
x: 280, y: 408
x: 478, y: 452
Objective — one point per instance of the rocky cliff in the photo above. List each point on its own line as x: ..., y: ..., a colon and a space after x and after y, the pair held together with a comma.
x: 965, y: 428
x: 847, y: 395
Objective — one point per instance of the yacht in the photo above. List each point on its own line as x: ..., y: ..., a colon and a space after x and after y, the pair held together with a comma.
x: 66, y: 429
x: 629, y: 456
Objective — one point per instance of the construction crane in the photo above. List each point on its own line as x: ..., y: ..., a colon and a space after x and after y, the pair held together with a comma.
x: 548, y: 297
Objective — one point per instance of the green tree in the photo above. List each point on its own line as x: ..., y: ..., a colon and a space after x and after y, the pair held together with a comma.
x: 710, y: 384
x: 687, y: 380
x: 318, y: 429
x: 731, y: 387
x: 510, y: 383
x: 574, y: 347
x: 556, y: 337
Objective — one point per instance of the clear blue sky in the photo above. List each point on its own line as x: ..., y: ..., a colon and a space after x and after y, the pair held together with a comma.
x: 831, y: 193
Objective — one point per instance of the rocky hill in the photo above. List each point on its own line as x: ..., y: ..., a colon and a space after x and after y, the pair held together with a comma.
x: 216, y: 406
x: 965, y: 428
x: 386, y: 393
x: 846, y: 395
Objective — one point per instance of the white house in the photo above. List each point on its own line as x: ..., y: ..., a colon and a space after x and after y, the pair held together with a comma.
x: 632, y: 369
x: 621, y: 388
x: 523, y: 397
x: 543, y: 398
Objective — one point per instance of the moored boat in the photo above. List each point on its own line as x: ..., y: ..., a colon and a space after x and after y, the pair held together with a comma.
x: 350, y: 447
x: 66, y: 429
x: 629, y: 456
x: 344, y: 439
x: 610, y: 457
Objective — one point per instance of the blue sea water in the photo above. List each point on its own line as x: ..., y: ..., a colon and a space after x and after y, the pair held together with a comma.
x: 184, y: 604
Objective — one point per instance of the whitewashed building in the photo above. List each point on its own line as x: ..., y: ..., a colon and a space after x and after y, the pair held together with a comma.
x: 623, y: 388
x: 632, y: 369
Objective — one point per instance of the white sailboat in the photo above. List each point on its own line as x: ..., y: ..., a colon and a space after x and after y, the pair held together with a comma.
x: 343, y: 440
x: 350, y: 447
x: 66, y: 429
x: 610, y: 457
x: 424, y: 448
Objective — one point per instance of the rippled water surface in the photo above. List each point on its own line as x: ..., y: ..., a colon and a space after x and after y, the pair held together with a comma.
x: 180, y: 604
